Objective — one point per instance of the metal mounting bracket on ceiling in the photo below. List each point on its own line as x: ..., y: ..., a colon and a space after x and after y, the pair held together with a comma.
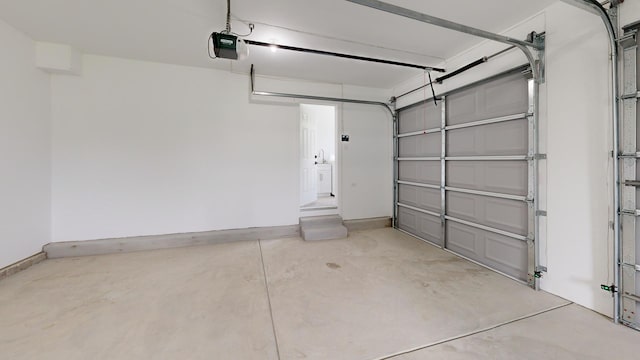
x: 539, y: 39
x: 535, y: 43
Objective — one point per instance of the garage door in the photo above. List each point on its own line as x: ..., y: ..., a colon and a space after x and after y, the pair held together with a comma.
x: 463, y: 173
x: 630, y: 190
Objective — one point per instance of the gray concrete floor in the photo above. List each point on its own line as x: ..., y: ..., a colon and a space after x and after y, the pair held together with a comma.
x: 377, y: 295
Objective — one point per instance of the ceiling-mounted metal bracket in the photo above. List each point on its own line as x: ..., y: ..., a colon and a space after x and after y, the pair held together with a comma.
x: 539, y: 41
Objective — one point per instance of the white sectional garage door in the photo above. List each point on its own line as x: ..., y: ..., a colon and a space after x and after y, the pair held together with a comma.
x: 630, y: 190
x: 463, y: 173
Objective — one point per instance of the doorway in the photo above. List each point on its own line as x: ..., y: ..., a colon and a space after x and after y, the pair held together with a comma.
x: 318, y: 160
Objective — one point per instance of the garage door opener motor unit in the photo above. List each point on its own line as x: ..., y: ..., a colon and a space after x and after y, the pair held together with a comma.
x: 228, y: 46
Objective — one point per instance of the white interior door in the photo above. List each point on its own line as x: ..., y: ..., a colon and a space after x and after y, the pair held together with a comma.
x: 309, y: 176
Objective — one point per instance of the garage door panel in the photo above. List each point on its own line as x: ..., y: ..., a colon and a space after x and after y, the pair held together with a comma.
x: 637, y: 319
x: 508, y: 177
x: 483, y: 227
x: 507, y: 254
x: 629, y: 272
x: 424, y: 226
x: 427, y: 172
x: 421, y: 145
x: 505, y: 96
x: 637, y: 236
x: 423, y: 198
x: 462, y: 239
x: 502, y: 214
x: 420, y: 117
x: 499, y: 252
x: 630, y: 284
x: 462, y: 107
x: 508, y: 215
x: 637, y: 177
x: 637, y: 128
x: 507, y: 138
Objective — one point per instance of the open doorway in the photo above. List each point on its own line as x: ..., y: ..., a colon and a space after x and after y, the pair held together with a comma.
x: 318, y: 159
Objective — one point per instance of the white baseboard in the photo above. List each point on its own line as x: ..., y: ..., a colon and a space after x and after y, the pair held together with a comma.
x: 154, y: 242
x: 367, y: 224
x: 22, y: 265
x: 141, y: 243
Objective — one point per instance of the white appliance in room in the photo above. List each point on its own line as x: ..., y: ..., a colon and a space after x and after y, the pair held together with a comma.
x: 325, y: 176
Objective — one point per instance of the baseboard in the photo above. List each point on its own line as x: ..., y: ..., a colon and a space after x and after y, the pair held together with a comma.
x: 22, y: 265
x: 154, y: 242
x: 368, y: 224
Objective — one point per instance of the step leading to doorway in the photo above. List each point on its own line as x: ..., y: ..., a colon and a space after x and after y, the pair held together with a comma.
x: 322, y: 228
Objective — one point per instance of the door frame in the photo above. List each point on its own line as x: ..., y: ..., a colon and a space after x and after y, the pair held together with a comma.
x: 338, y: 168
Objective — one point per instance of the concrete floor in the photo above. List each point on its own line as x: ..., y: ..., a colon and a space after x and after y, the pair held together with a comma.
x: 376, y: 295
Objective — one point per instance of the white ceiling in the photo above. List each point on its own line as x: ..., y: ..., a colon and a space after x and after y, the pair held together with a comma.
x: 176, y: 31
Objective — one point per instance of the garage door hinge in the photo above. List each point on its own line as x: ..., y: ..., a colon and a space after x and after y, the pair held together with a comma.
x: 540, y: 156
x: 541, y: 213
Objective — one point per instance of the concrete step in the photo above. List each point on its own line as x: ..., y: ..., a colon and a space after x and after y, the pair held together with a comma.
x: 322, y: 228
x: 329, y: 232
x: 321, y: 220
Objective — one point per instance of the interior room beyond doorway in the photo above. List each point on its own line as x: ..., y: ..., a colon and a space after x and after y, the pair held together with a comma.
x: 318, y: 158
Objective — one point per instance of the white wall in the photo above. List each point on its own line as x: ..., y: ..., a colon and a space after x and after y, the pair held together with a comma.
x: 25, y: 164
x: 575, y: 133
x: 367, y: 162
x: 142, y: 148
x: 578, y: 145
